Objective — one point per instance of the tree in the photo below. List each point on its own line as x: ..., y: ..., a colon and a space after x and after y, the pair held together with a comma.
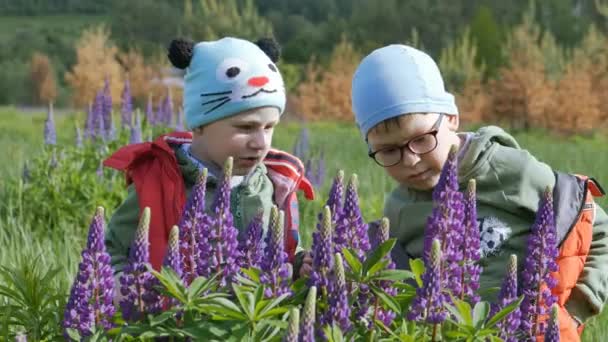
x: 96, y: 60
x: 42, y: 76
x: 488, y: 39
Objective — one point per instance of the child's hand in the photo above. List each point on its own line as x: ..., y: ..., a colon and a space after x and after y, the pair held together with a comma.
x: 306, y: 265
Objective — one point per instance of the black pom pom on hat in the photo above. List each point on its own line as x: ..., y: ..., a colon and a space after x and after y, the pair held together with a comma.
x: 270, y: 48
x: 180, y: 52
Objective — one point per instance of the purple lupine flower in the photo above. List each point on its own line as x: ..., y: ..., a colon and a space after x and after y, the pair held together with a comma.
x: 173, y: 257
x: 112, y: 133
x: 135, y: 137
x: 446, y: 224
x: 276, y: 271
x: 159, y: 117
x: 552, y: 333
x: 293, y: 327
x: 98, y: 124
x: 79, y: 142
x: 223, y: 233
x: 150, y: 112
x: 106, y: 105
x: 537, y: 281
x: 322, y: 253
x: 99, y: 171
x: 126, y: 109
x: 307, y: 330
x: 301, y: 147
x: 179, y: 121
x: 168, y: 108
x: 314, y: 171
x: 90, y: 303
x: 89, y: 124
x: 339, y: 308
x: 250, y: 245
x: 172, y: 260
x: 351, y: 230
x: 50, y: 134
x: 335, y: 200
x: 508, y: 294
x: 470, y: 247
x: 382, y: 235
x: 136, y: 282
x: 428, y: 305
x: 194, y: 233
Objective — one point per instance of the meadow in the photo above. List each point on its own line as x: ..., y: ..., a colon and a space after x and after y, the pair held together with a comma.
x: 32, y: 250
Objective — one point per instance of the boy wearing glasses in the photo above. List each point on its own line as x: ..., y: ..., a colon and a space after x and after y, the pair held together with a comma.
x: 410, y: 122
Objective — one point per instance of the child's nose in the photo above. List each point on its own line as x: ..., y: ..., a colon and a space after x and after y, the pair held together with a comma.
x: 409, y: 158
x: 259, y: 81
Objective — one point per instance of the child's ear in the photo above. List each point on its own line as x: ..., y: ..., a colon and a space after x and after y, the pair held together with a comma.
x: 180, y: 52
x: 270, y: 47
x: 453, y: 122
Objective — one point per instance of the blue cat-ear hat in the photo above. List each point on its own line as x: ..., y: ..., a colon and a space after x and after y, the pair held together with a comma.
x: 226, y: 77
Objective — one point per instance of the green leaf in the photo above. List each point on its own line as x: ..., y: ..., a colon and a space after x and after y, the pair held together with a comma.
x: 463, y: 313
x: 160, y: 319
x: 379, y: 266
x: 394, y: 275
x: 73, y: 334
x: 252, y: 273
x: 417, y: 267
x: 378, y: 254
x: 386, y: 299
x: 272, y: 304
x: 504, y: 312
x: 353, y: 262
x: 480, y: 314
x: 224, y: 306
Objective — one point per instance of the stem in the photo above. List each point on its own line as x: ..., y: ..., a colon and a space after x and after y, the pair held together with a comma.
x: 434, y: 338
x: 138, y: 286
x: 375, y: 308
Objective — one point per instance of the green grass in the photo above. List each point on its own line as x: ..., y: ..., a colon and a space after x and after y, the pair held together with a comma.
x: 21, y: 138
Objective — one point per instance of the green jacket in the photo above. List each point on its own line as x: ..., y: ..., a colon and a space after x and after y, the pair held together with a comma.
x: 255, y: 192
x: 510, y: 182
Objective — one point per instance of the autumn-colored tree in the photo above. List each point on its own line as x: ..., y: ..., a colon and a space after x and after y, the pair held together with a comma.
x: 139, y: 72
x: 575, y: 107
x: 521, y: 93
x: 96, y: 60
x: 326, y: 92
x: 42, y: 76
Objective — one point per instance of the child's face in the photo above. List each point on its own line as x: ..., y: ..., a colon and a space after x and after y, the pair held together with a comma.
x: 246, y: 137
x: 430, y: 135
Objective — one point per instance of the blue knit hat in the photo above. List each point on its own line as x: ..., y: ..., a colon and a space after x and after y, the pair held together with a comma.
x: 396, y: 80
x: 226, y: 77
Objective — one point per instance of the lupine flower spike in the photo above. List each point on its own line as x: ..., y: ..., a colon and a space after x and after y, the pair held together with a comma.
x: 508, y: 294
x: 470, y: 247
x: 351, y: 230
x: 50, y: 134
x: 293, y: 329
x: 322, y: 253
x: 428, y: 305
x: 537, y: 281
x: 250, y: 246
x: 138, y: 296
x: 223, y: 234
x: 276, y: 271
x: 307, y: 331
x: 90, y: 303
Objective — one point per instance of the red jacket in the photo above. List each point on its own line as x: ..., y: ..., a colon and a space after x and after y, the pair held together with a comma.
x: 153, y: 168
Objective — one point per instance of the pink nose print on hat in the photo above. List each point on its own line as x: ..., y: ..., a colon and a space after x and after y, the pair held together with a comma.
x: 257, y: 81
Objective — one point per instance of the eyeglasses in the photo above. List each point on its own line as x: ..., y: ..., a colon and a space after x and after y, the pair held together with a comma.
x: 421, y: 144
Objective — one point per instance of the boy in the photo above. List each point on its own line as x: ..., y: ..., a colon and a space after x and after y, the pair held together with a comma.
x: 233, y: 98
x: 410, y: 123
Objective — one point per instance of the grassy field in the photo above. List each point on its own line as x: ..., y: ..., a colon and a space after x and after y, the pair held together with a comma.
x: 21, y: 138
